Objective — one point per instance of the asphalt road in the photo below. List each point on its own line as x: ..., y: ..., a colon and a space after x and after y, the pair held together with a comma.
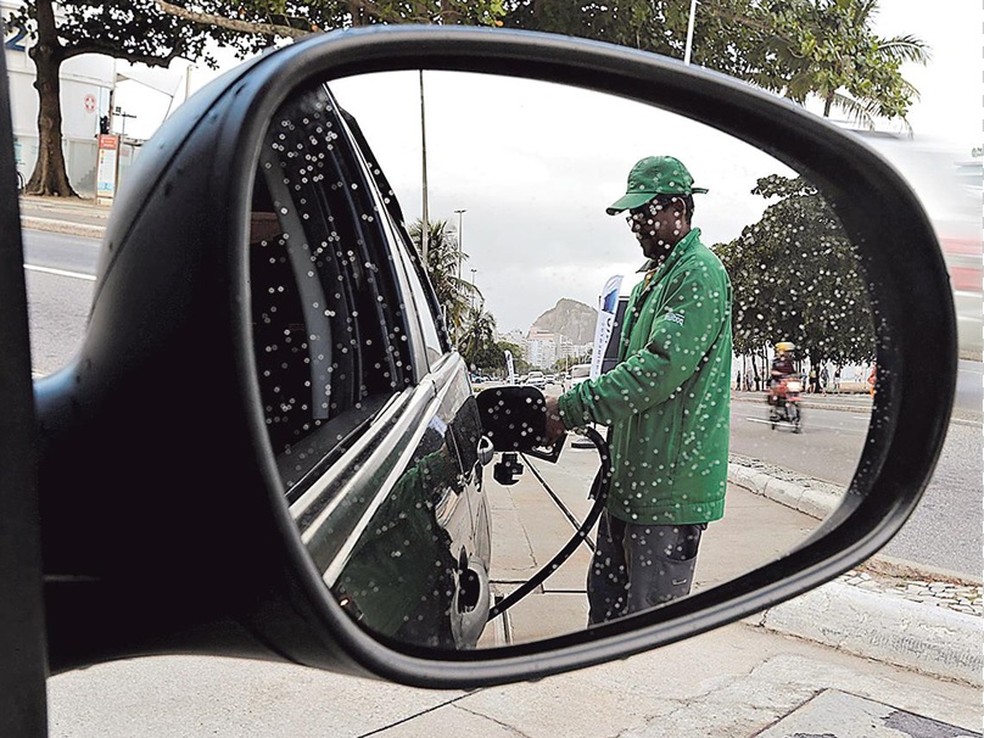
x: 944, y: 532
x: 828, y: 448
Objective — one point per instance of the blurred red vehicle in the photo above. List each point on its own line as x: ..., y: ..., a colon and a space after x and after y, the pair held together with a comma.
x: 950, y: 183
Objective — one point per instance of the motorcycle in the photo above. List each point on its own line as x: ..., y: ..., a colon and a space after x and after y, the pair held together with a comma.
x: 784, y: 404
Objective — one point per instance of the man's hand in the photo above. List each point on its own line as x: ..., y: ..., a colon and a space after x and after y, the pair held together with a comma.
x: 554, y: 428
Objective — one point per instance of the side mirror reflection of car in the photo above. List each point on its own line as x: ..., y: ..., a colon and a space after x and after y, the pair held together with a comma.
x: 267, y: 446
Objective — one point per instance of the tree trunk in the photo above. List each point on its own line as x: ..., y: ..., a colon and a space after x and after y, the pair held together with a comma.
x: 49, y: 176
x: 828, y: 103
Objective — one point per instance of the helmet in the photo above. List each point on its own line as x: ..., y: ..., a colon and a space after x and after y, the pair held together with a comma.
x: 784, y: 347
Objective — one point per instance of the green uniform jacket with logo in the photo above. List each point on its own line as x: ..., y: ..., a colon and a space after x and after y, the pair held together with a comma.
x: 668, y: 399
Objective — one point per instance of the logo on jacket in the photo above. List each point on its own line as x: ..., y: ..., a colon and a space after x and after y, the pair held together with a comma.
x: 674, y: 317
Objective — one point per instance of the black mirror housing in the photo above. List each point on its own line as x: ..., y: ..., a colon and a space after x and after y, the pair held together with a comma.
x: 165, y: 527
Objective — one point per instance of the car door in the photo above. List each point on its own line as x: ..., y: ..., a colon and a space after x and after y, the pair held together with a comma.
x: 369, y: 413
x: 458, y: 411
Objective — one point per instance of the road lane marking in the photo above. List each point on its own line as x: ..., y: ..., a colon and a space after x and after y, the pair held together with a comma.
x: 811, y: 426
x: 60, y: 272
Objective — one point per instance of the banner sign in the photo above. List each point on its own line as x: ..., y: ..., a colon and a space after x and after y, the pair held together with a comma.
x: 106, y: 166
x: 510, y: 369
x: 607, y: 306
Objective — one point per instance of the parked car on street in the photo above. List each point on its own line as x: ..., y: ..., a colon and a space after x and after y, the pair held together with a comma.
x: 950, y: 185
x: 579, y: 372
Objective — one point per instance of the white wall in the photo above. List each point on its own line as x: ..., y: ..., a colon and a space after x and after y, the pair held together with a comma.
x: 81, y: 77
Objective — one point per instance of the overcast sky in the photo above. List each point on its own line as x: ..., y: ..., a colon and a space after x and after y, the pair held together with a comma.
x: 534, y: 165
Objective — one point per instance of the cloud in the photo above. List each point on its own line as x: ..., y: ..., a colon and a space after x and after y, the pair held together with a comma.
x: 534, y: 165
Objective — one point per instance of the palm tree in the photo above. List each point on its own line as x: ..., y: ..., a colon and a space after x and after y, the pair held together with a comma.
x: 477, y: 342
x: 443, y: 267
x: 827, y: 48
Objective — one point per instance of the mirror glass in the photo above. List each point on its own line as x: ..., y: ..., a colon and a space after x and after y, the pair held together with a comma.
x: 420, y: 529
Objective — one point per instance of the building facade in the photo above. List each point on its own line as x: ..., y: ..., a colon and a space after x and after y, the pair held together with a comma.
x: 87, y: 89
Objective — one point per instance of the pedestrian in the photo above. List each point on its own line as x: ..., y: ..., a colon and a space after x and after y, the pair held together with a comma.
x: 837, y: 378
x: 872, y: 378
x: 666, y: 403
x: 738, y: 380
x: 824, y: 379
x: 814, y: 380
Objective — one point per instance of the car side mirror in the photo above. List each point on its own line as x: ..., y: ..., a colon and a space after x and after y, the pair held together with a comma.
x: 204, y: 464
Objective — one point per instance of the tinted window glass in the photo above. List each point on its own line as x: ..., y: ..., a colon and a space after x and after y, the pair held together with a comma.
x: 329, y: 336
x: 425, y: 303
x: 428, y: 322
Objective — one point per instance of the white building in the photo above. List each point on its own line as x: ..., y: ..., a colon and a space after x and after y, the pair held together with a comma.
x: 540, y: 348
x: 88, y: 85
x: 86, y: 95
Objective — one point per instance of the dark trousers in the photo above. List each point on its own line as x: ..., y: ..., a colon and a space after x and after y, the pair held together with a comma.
x: 638, y: 566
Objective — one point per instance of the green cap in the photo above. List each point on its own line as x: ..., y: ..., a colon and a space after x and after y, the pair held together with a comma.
x: 654, y: 175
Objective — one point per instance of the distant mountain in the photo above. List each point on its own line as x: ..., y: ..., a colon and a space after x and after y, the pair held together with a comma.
x: 571, y: 319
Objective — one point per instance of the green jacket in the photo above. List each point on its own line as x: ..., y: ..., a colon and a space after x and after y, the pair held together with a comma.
x: 668, y: 399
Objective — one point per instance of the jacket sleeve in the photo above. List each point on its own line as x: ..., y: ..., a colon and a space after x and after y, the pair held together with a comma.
x: 694, y: 313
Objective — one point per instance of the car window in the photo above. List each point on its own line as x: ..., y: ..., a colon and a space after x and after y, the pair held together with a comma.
x: 329, y: 330
x: 425, y: 303
x: 422, y: 305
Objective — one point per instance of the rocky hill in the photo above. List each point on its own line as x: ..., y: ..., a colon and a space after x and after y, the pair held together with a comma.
x: 571, y: 319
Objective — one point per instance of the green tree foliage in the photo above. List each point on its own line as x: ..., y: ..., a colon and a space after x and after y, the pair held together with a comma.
x: 290, y: 19
x: 796, y: 277
x: 443, y: 267
x: 477, y: 343
x: 827, y: 48
x: 724, y: 32
x: 797, y: 48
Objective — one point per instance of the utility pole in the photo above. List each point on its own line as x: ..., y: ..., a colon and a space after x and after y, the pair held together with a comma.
x: 425, y: 221
x: 690, y: 32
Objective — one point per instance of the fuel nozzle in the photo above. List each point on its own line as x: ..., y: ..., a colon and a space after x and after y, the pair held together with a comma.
x: 515, y: 419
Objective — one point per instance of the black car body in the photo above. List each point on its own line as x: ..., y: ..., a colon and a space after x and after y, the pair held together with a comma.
x: 362, y: 391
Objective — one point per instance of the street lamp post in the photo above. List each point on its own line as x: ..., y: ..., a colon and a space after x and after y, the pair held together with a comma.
x: 460, y: 212
x: 473, y: 288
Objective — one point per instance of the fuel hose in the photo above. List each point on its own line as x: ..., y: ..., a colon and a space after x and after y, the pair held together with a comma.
x: 599, y: 492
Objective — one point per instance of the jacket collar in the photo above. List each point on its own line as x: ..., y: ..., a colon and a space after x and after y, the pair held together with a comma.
x: 684, y: 245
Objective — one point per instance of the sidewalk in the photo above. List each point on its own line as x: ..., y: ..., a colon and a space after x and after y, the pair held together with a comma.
x: 856, y: 658
x: 71, y: 216
x: 895, y: 612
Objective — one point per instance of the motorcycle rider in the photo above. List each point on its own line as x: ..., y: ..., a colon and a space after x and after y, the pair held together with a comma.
x: 782, y: 367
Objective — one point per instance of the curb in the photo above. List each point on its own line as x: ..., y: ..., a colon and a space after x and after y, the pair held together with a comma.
x: 932, y: 640
x: 63, y: 226
x: 816, y: 499
x: 886, y: 627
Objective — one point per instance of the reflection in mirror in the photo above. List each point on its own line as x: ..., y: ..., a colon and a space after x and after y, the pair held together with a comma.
x: 379, y: 259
